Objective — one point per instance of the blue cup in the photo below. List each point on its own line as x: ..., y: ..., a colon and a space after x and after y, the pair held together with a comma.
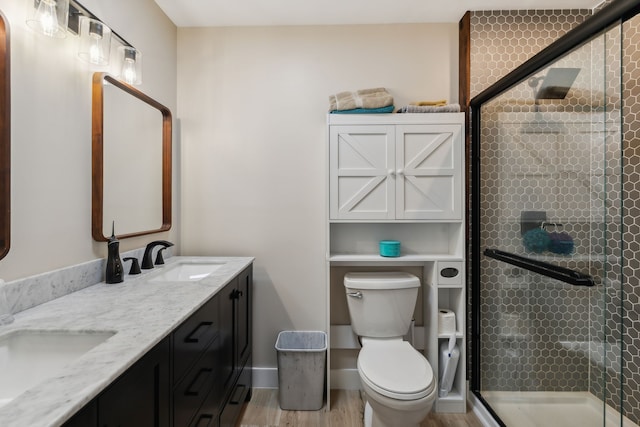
x: 389, y: 248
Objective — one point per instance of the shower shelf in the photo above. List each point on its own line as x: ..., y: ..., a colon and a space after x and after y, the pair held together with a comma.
x: 563, y: 274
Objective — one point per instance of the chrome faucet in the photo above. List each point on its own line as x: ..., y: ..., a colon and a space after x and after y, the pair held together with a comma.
x: 147, y: 261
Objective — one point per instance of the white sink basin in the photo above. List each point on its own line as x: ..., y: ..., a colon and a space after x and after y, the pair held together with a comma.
x: 187, y: 272
x: 29, y: 357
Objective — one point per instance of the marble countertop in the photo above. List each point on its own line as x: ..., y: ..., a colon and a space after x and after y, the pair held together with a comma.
x: 139, y: 312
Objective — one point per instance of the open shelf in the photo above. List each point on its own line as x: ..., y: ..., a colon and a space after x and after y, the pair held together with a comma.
x: 426, y: 241
x: 446, y: 336
x: 419, y: 258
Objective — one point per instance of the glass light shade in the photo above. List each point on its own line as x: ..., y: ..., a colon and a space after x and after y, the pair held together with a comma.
x: 49, y: 17
x: 95, y: 41
x: 130, y: 65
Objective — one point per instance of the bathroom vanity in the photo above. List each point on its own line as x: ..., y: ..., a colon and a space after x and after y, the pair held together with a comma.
x: 179, y: 353
x: 398, y: 177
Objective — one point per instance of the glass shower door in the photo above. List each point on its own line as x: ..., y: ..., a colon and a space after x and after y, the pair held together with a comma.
x: 550, y: 220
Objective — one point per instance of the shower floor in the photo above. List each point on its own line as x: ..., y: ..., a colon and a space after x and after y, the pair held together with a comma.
x: 552, y: 409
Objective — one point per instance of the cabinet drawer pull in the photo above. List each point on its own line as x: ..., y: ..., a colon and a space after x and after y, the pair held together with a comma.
x: 235, y: 398
x: 196, y: 334
x: 197, y: 383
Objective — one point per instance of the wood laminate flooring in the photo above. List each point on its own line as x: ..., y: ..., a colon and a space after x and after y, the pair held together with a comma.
x: 347, y: 407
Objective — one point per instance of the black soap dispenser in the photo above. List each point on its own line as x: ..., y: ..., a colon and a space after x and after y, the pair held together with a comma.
x: 114, y: 273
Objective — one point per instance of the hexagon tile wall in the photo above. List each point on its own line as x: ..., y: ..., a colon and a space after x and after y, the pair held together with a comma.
x: 538, y: 334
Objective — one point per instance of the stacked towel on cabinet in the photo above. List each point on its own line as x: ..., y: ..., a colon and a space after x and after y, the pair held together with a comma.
x: 376, y: 100
x: 438, y: 103
x: 380, y: 110
x: 448, y: 108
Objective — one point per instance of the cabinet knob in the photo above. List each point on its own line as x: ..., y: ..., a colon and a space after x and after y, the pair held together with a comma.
x: 400, y: 171
x: 391, y: 172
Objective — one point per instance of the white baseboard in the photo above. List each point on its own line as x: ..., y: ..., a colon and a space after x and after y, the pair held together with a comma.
x: 264, y: 377
x: 345, y: 379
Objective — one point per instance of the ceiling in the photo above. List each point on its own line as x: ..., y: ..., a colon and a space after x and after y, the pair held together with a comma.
x: 214, y: 13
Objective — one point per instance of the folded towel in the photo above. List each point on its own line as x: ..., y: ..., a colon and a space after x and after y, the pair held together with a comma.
x: 380, y: 110
x: 439, y: 103
x: 365, y: 98
x: 449, y: 108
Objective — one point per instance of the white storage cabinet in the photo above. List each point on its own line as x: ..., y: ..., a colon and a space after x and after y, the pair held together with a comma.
x: 397, y: 177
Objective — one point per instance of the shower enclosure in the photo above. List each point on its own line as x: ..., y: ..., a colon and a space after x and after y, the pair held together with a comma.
x: 555, y: 242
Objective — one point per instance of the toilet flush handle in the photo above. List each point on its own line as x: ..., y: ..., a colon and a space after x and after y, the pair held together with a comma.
x: 356, y: 294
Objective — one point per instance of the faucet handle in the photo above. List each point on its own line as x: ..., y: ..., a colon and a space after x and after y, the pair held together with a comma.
x: 147, y: 261
x: 159, y: 258
x: 135, y: 267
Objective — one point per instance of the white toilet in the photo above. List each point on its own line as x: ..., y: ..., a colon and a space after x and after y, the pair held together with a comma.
x: 397, y: 379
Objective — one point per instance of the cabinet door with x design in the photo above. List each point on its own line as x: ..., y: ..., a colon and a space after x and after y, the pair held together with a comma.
x: 395, y: 172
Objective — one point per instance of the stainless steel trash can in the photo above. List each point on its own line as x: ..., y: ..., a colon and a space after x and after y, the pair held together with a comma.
x: 302, y: 359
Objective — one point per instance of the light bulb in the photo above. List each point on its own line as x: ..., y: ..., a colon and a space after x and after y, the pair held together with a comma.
x: 47, y: 16
x: 96, y: 54
x: 129, y: 74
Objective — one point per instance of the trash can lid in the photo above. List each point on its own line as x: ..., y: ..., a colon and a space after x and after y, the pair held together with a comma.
x: 301, y: 341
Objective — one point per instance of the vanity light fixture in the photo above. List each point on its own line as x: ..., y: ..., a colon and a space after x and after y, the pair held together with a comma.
x: 49, y: 17
x: 95, y: 41
x: 54, y: 17
x: 131, y: 65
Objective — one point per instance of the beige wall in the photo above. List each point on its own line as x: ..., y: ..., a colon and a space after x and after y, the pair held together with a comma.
x: 51, y: 132
x: 252, y: 104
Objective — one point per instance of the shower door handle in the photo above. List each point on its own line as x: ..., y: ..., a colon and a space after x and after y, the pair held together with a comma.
x: 563, y: 274
x: 357, y: 294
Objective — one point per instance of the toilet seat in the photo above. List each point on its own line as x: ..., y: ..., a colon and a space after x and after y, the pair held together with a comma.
x: 395, y: 369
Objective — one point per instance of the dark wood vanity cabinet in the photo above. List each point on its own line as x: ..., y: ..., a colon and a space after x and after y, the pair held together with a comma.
x: 210, y: 379
x: 141, y: 396
x: 235, y: 328
x: 87, y: 416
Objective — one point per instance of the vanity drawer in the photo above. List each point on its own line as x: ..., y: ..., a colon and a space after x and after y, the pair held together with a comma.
x: 192, y: 337
x: 197, y: 384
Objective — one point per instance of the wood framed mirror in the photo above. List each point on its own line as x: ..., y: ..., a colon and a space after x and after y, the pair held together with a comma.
x: 131, y: 161
x: 5, y: 139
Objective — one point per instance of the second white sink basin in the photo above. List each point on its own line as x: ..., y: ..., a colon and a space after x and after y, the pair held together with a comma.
x: 29, y: 357
x: 187, y: 272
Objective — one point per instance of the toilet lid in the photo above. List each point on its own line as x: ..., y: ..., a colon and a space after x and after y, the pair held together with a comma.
x: 395, y: 369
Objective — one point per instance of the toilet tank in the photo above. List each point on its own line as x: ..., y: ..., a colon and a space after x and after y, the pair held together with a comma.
x: 381, y: 304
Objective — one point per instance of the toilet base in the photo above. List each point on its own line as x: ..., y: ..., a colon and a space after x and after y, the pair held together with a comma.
x: 368, y: 415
